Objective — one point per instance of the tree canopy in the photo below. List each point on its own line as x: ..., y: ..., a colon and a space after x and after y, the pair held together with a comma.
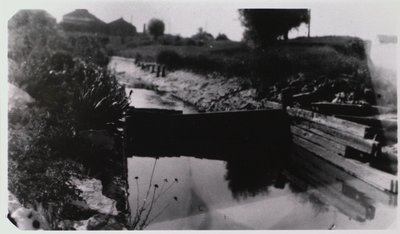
x: 202, y: 36
x: 221, y: 37
x: 264, y: 26
x: 156, y: 28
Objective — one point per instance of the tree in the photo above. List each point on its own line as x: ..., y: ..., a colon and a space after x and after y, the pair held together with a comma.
x: 31, y: 32
x: 264, y: 26
x: 156, y: 28
x: 221, y: 37
x: 202, y: 36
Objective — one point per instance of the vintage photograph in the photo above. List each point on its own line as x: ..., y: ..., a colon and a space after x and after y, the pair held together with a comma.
x: 201, y: 115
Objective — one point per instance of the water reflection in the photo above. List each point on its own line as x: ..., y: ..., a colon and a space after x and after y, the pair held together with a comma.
x: 250, y: 167
x: 327, y: 184
x: 252, y: 177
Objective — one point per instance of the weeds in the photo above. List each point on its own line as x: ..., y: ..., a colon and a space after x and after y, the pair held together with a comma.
x: 142, y: 217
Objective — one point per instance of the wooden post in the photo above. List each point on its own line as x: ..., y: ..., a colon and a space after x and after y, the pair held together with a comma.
x: 153, y: 68
x: 286, y: 96
x: 309, y: 23
x: 158, y: 71
x: 163, y: 71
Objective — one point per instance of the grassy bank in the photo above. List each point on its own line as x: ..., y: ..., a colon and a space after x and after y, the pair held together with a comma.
x: 308, y: 62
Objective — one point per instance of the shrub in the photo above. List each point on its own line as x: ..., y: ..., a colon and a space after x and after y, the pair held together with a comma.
x: 178, y: 41
x: 88, y: 48
x: 99, y: 101
x: 31, y: 30
x: 38, y: 170
x: 189, y: 42
x: 170, y: 58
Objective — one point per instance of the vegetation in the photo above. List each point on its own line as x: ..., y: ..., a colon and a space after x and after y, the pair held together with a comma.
x: 74, y: 94
x: 221, y: 37
x: 264, y: 26
x: 156, y: 28
x: 154, y: 192
x: 270, y: 68
x: 202, y: 37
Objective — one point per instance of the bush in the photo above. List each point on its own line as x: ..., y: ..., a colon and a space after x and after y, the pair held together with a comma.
x: 170, y: 58
x: 88, y: 48
x: 189, y: 42
x: 38, y: 171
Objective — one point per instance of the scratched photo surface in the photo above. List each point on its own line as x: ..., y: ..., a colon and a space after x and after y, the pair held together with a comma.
x: 206, y: 115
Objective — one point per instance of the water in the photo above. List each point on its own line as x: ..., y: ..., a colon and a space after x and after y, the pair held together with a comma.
x: 205, y: 200
x: 250, y: 191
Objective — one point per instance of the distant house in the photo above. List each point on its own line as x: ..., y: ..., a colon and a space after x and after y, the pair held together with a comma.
x: 82, y: 21
x: 120, y: 27
x: 385, y: 39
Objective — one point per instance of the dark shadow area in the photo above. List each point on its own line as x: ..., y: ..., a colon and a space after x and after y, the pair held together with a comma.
x: 170, y: 133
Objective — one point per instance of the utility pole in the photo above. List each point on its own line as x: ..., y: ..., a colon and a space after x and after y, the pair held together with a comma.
x: 309, y: 22
x: 169, y: 26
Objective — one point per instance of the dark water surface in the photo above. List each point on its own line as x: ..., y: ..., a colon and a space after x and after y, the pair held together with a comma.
x: 251, y: 190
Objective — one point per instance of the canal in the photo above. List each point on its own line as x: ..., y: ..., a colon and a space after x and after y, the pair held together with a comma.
x: 248, y: 191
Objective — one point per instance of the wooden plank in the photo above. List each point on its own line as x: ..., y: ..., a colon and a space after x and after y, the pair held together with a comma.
x: 304, y: 98
x: 272, y: 105
x: 326, y: 169
x: 317, y: 149
x: 386, y: 137
x: 356, y: 142
x: 331, y: 194
x: 351, y: 109
x: 389, y: 154
x: 333, y: 146
x: 342, y: 108
x: 384, y: 109
x: 364, y: 145
x: 352, y: 208
x: 373, y: 121
x: 344, y: 125
x: 377, y: 178
x: 133, y: 110
x: 160, y: 132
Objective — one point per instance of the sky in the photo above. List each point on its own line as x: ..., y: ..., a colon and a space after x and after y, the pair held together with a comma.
x: 363, y: 18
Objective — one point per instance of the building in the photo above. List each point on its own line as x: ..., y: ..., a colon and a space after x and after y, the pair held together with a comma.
x: 82, y: 21
x: 120, y: 27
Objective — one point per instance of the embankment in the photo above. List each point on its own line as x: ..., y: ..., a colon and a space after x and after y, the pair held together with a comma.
x: 206, y: 93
